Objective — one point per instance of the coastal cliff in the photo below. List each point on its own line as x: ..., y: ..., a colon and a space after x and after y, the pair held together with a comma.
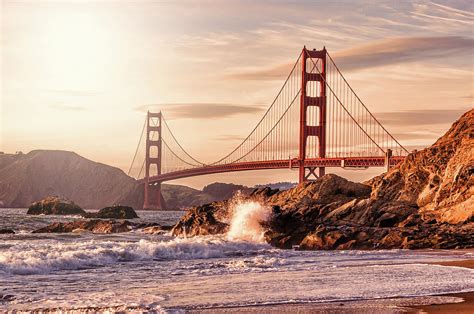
x: 427, y: 201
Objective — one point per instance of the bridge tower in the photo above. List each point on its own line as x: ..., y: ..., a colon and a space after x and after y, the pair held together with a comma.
x: 153, y: 199
x: 306, y: 101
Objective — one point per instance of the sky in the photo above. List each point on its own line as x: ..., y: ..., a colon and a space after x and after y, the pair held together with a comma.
x: 80, y: 75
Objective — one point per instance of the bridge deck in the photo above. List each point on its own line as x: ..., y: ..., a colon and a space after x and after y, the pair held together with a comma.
x: 347, y: 162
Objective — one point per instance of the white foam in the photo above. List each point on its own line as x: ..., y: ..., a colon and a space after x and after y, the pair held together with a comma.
x: 247, y: 219
x: 47, y: 256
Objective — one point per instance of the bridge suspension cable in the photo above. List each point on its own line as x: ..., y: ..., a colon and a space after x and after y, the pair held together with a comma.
x: 136, y: 150
x: 281, y: 113
x: 351, y: 129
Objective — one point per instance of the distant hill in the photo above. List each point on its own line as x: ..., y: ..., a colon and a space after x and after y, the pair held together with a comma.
x: 221, y: 191
x: 278, y: 185
x: 25, y: 178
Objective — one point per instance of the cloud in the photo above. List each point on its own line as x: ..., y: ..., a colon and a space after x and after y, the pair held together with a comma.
x: 420, y: 117
x: 416, y: 135
x: 67, y: 107
x: 375, y: 54
x: 71, y: 92
x: 229, y: 137
x: 202, y: 110
x: 278, y: 72
x: 400, y: 50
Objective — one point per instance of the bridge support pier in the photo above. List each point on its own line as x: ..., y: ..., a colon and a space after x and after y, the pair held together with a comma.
x: 315, y: 74
x: 152, y: 191
x: 388, y: 159
x: 153, y: 199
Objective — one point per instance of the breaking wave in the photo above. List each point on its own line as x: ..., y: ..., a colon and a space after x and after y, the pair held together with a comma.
x: 51, y: 256
x: 247, y: 219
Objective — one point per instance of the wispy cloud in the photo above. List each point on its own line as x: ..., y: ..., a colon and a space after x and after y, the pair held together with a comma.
x: 67, y: 107
x: 71, y: 92
x: 420, y: 117
x: 375, y: 54
x: 229, y: 137
x: 202, y: 110
x: 416, y: 135
x: 267, y: 74
x: 403, y: 49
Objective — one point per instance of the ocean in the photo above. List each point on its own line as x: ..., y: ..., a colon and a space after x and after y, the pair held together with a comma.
x: 135, y: 271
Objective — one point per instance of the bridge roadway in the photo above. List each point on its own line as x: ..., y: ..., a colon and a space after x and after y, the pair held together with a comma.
x: 342, y: 162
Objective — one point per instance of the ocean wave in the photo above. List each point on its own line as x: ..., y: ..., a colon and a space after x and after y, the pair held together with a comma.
x: 48, y: 256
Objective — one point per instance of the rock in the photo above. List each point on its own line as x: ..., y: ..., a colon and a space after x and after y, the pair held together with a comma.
x: 438, y: 180
x: 114, y: 212
x: 323, y: 238
x: 6, y: 297
x: 391, y: 240
x: 95, y: 226
x: 387, y: 220
x: 6, y: 231
x: 327, y: 189
x: 156, y: 229
x: 202, y: 220
x: 55, y: 206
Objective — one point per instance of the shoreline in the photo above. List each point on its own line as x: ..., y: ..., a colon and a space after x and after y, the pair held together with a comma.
x: 466, y: 306
x: 462, y: 302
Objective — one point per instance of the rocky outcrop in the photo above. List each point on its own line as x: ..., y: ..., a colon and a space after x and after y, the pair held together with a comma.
x: 203, y: 220
x: 6, y: 297
x: 438, y: 180
x: 55, y: 206
x: 427, y: 201
x: 95, y: 226
x: 114, y: 212
x: 157, y: 229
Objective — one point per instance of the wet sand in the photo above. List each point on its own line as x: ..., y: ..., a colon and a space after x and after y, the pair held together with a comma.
x: 448, y: 303
x: 467, y: 306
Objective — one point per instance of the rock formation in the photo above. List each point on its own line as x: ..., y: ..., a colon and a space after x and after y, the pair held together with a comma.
x: 103, y: 226
x: 94, y: 225
x: 55, y: 206
x: 114, y: 212
x: 427, y: 201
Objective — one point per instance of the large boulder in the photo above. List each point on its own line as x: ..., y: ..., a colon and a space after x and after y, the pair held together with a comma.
x: 114, y: 212
x: 94, y: 225
x: 203, y: 220
x: 54, y: 205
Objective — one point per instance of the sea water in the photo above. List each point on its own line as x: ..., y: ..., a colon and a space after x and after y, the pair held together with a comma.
x: 137, y: 271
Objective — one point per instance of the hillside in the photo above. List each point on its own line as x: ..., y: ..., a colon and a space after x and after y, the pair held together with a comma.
x: 25, y: 178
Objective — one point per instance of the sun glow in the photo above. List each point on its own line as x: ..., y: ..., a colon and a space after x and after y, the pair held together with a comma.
x: 75, y: 50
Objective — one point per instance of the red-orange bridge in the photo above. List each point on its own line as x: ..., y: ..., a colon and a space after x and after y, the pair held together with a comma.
x: 316, y: 121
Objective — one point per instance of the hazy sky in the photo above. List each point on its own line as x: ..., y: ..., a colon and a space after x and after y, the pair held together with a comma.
x: 80, y: 75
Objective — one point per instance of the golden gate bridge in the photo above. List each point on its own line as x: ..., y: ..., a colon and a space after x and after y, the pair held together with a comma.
x: 315, y: 121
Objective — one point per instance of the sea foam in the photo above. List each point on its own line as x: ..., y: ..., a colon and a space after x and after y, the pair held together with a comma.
x: 48, y: 256
x: 247, y: 219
